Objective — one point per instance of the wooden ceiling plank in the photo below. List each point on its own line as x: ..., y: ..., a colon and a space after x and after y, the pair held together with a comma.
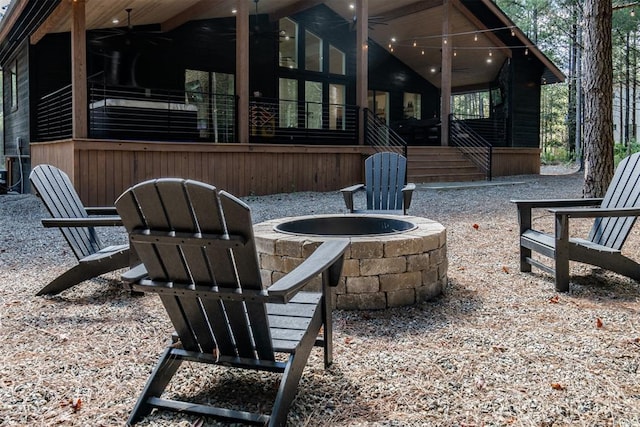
x: 199, y: 9
x: 409, y: 9
x: 61, y: 13
x: 293, y: 8
x: 488, y: 34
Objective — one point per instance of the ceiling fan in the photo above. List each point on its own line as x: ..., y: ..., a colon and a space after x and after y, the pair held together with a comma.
x: 127, y: 38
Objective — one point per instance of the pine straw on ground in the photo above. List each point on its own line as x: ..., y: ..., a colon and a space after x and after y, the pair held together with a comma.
x: 498, y: 348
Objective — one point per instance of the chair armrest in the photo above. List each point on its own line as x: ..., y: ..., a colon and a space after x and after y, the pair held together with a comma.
x: 407, y: 194
x: 134, y: 274
x: 347, y: 193
x: 552, y: 203
x: 106, y: 221
x: 596, y: 212
x: 101, y: 210
x: 328, y: 256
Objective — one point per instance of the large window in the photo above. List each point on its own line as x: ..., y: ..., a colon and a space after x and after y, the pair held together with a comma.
x: 313, y: 52
x: 212, y: 94
x: 288, y: 46
x: 313, y: 104
x: 336, y: 106
x: 13, y: 75
x: 336, y: 61
x: 312, y: 88
x: 412, y: 106
x: 288, y: 94
x: 472, y: 105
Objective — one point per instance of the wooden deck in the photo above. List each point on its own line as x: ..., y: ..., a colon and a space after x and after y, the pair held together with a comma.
x: 102, y: 169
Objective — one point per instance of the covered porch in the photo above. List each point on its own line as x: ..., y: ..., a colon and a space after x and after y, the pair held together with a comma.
x: 193, y: 87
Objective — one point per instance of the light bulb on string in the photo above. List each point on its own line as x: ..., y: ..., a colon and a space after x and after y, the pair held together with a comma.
x: 422, y: 52
x: 513, y: 33
x: 475, y: 37
x: 415, y: 43
x: 526, y: 51
x: 632, y: 13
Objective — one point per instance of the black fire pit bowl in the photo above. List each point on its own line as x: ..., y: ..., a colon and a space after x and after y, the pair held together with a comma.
x: 345, y: 225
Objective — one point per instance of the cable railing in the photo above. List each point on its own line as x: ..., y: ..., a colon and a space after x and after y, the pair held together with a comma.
x: 54, y: 116
x: 382, y: 137
x: 477, y: 149
x: 160, y: 115
x: 292, y: 121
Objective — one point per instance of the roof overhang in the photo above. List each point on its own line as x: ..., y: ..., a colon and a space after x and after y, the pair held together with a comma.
x: 477, y: 29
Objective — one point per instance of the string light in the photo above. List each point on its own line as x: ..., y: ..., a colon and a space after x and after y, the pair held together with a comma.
x: 526, y: 51
x: 444, y: 40
x: 455, y: 53
x: 423, y: 51
x: 415, y: 43
x: 475, y: 37
x: 513, y: 33
x: 633, y: 13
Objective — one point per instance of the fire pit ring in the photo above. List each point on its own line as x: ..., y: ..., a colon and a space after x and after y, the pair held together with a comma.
x: 391, y: 261
x: 345, y: 225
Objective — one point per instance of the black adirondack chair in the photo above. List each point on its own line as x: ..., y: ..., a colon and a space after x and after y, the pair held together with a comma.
x: 197, y: 246
x: 385, y: 185
x: 77, y: 224
x: 614, y: 216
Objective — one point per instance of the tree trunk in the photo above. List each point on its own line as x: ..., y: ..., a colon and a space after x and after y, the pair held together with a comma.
x: 598, y: 98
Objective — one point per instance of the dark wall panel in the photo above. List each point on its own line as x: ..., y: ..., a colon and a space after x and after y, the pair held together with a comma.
x: 525, y: 102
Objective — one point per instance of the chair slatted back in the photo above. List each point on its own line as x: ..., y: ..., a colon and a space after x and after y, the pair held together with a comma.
x: 62, y: 201
x: 623, y: 192
x: 385, y: 175
x: 169, y: 210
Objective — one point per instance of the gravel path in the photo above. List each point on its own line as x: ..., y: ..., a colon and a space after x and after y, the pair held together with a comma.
x: 499, y: 348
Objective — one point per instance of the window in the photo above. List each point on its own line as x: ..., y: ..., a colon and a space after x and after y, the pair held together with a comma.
x: 412, y: 106
x: 336, y: 107
x: 336, y: 61
x: 288, y: 50
x: 13, y: 72
x: 288, y: 108
x: 212, y: 94
x: 471, y: 105
x: 313, y: 105
x: 378, y: 103
x: 313, y: 52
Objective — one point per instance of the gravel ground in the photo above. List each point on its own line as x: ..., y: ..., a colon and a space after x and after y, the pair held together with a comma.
x: 498, y: 348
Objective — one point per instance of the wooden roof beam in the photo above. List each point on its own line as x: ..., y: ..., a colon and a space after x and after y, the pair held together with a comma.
x: 11, y: 17
x: 488, y: 34
x: 196, y: 11
x: 61, y: 13
x: 292, y: 9
x: 409, y: 9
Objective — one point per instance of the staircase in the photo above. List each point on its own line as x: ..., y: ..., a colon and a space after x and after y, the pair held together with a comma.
x: 440, y: 164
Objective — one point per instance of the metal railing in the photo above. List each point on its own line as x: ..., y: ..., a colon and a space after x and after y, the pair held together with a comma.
x: 477, y: 149
x: 54, y: 116
x: 382, y: 137
x: 287, y: 121
x: 160, y: 114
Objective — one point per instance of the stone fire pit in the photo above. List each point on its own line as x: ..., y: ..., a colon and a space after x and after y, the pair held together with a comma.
x: 391, y: 261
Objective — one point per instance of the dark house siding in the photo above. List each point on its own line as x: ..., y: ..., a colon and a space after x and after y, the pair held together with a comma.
x: 525, y: 102
x: 16, y: 117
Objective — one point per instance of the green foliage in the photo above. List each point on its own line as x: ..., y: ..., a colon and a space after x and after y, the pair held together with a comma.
x: 620, y: 151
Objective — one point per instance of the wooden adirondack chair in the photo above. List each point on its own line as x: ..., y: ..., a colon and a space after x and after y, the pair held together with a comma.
x: 614, y: 216
x: 385, y: 177
x: 77, y: 224
x: 198, y: 248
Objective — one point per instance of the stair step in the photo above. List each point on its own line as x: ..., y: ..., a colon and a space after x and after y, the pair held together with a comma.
x: 440, y: 164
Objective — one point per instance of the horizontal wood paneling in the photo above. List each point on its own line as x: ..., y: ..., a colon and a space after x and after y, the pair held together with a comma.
x: 104, y: 169
x: 515, y: 161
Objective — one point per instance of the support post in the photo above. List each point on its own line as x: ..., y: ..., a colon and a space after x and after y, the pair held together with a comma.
x: 362, y: 63
x: 79, y: 103
x: 242, y: 69
x: 445, y: 86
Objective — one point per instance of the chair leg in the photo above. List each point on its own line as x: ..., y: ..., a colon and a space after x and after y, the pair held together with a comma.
x: 562, y: 273
x: 525, y: 253
x: 293, y: 373
x: 163, y: 372
x: 84, y: 271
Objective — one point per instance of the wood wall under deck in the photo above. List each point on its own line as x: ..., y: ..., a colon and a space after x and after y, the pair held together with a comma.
x: 101, y: 170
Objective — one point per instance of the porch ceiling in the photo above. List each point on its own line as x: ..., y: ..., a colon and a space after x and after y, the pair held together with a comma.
x: 409, y: 22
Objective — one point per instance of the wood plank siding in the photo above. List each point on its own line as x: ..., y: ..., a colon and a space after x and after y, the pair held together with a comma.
x: 102, y: 170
